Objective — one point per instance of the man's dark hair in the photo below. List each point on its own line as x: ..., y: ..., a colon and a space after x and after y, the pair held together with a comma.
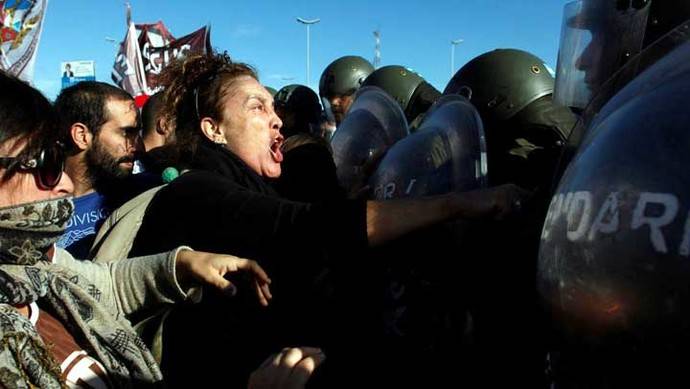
x: 150, y: 113
x: 85, y: 103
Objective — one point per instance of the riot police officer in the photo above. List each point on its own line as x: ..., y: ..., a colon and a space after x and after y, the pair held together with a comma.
x: 613, y: 270
x: 308, y: 170
x: 339, y: 81
x: 299, y: 108
x: 525, y: 130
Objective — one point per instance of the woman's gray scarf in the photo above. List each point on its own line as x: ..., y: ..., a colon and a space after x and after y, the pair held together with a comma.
x: 27, y: 233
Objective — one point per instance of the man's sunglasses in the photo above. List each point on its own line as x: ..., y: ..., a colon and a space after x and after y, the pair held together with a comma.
x: 47, y: 167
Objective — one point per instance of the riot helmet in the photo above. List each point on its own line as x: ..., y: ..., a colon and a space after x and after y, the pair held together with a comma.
x: 600, y: 37
x: 299, y: 109
x: 525, y: 130
x: 340, y: 80
x: 407, y: 87
x: 613, y: 262
x: 502, y: 82
x: 604, y: 45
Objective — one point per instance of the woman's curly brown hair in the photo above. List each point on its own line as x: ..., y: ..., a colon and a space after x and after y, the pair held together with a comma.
x: 194, y: 88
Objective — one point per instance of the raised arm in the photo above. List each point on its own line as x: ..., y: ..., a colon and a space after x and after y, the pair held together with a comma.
x: 135, y: 284
x: 390, y: 219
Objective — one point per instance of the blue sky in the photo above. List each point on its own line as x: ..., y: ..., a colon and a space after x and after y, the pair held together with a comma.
x: 265, y: 34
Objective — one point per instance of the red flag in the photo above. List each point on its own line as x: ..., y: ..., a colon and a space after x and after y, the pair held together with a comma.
x: 156, y: 34
x: 136, y: 71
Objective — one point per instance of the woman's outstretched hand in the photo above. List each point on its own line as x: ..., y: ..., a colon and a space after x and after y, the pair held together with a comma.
x: 198, y: 268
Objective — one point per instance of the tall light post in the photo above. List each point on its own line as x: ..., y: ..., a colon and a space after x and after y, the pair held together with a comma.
x: 453, y: 43
x: 377, y: 49
x: 115, y: 43
x: 308, y: 23
x: 111, y: 40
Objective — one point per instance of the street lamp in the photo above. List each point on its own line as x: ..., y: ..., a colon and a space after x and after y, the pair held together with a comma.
x: 453, y: 43
x: 308, y: 23
x: 115, y: 43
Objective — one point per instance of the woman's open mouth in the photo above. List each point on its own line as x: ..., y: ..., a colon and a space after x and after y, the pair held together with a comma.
x: 275, y: 150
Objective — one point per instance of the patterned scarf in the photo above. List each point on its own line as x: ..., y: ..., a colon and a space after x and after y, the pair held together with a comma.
x: 27, y: 233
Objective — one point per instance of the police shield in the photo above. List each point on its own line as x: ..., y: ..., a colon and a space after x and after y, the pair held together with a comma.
x: 373, y: 124
x: 614, y: 260
x: 446, y: 154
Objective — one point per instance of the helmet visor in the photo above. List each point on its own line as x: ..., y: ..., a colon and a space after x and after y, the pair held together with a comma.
x: 597, y: 39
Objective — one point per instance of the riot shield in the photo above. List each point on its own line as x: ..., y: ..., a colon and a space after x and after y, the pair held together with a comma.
x: 447, y: 154
x: 613, y: 261
x: 425, y: 309
x: 373, y: 124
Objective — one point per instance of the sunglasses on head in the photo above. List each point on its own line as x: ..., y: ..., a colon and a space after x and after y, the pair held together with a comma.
x: 47, y: 167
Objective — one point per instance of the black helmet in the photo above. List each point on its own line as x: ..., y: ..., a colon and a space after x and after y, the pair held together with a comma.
x: 405, y: 86
x: 614, y: 258
x: 344, y: 76
x: 502, y: 82
x: 299, y: 109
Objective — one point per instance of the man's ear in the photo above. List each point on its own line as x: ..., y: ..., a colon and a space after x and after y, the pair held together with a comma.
x: 212, y: 131
x: 162, y: 126
x: 165, y: 127
x: 81, y: 136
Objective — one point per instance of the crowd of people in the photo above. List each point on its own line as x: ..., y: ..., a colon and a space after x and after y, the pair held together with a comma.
x: 378, y: 233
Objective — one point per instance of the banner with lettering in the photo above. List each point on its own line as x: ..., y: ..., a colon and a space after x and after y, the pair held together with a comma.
x: 157, y: 47
x: 157, y: 57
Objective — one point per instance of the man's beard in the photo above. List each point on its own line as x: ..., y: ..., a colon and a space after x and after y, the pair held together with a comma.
x: 103, y: 168
x: 338, y: 115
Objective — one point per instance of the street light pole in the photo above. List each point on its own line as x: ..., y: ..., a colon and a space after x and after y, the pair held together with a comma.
x: 308, y: 23
x: 453, y: 43
x: 115, y: 43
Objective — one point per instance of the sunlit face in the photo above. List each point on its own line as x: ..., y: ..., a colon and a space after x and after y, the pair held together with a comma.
x: 112, y: 150
x: 251, y: 126
x: 23, y: 187
x: 340, y: 104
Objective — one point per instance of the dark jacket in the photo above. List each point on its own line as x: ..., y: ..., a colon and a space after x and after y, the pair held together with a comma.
x: 223, y: 206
